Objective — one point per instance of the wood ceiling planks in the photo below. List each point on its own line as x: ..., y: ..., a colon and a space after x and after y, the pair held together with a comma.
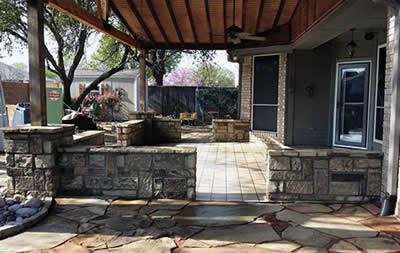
x: 201, y: 23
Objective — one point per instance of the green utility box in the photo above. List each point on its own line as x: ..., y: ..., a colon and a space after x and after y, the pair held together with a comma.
x: 54, y: 95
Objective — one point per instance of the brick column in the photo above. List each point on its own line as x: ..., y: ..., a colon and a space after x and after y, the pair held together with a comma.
x: 148, y: 124
x: 31, y: 158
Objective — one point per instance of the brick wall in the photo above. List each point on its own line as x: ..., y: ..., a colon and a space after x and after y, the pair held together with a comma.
x: 229, y: 130
x: 246, y: 96
x: 166, y: 130
x: 130, y: 133
x: 16, y: 92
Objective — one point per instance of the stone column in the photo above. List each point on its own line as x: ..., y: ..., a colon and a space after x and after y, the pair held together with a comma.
x: 31, y: 158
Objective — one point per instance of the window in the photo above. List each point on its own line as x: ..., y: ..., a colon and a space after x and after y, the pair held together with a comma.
x: 380, y: 93
x: 265, y: 93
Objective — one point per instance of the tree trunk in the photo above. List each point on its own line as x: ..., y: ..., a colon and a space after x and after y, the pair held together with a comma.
x: 158, y: 77
x: 67, y: 93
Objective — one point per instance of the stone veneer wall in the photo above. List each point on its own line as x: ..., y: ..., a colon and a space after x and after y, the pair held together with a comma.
x: 323, y: 175
x: 230, y: 130
x: 31, y: 158
x: 148, y: 124
x: 166, y: 130
x: 130, y: 133
x: 247, y: 91
x: 129, y: 172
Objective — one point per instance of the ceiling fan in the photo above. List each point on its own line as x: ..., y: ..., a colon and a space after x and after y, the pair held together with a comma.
x: 236, y: 33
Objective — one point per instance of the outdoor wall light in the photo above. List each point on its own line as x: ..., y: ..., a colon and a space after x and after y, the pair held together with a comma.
x: 351, y: 46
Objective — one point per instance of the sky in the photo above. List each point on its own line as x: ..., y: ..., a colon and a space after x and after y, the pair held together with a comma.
x: 186, y: 62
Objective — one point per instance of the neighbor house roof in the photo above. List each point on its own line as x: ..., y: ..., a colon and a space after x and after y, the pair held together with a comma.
x: 90, y: 73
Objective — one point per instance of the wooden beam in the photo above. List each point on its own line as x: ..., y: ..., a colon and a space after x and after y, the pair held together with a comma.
x: 239, y: 10
x: 70, y: 8
x: 392, y: 3
x: 294, y: 11
x: 157, y: 20
x: 37, y: 77
x: 394, y: 130
x: 189, y: 12
x: 139, y: 18
x: 279, y: 13
x: 259, y: 15
x: 142, y: 80
x: 123, y: 21
x: 210, y: 31
x: 172, y: 15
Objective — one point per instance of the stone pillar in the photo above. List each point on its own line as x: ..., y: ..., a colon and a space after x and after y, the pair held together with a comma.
x: 31, y: 158
x: 148, y: 124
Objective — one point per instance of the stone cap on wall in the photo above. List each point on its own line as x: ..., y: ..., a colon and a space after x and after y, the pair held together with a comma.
x: 87, y: 135
x: 324, y: 153
x: 132, y: 149
x: 231, y: 121
x: 28, y: 129
x: 141, y: 113
x: 130, y: 123
x: 166, y: 119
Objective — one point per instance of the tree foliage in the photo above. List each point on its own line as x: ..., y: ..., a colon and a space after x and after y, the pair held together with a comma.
x: 213, y: 75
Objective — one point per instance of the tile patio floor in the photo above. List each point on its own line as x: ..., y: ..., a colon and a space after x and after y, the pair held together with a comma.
x: 83, y: 225
x: 231, y: 171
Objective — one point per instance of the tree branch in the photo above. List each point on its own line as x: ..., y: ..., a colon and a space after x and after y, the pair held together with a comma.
x: 79, y: 53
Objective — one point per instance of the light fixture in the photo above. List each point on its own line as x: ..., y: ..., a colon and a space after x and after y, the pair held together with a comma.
x: 351, y: 46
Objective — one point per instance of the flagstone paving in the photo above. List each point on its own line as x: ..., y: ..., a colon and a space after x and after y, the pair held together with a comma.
x: 163, y: 226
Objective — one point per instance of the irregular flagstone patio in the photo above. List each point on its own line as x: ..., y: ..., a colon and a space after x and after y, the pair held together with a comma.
x: 188, y: 227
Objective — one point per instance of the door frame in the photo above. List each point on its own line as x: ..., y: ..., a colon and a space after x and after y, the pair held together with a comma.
x: 334, y: 144
x: 252, y: 92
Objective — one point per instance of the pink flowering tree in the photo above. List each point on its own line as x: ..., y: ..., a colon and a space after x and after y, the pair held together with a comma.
x: 180, y: 77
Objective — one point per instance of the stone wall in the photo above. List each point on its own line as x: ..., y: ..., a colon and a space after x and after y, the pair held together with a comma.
x: 225, y: 130
x: 166, y: 130
x: 324, y: 175
x: 129, y: 172
x: 148, y: 124
x: 246, y: 99
x: 30, y: 154
x: 92, y: 137
x: 130, y: 133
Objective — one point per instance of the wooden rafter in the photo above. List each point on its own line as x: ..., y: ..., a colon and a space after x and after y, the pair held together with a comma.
x: 279, y: 13
x: 210, y: 31
x: 224, y: 17
x: 70, y: 8
x: 172, y: 15
x: 244, y: 15
x: 123, y: 21
x: 294, y: 11
x: 157, y: 20
x: 139, y: 18
x: 259, y: 14
x: 239, y: 10
x: 189, y: 12
x: 103, y: 9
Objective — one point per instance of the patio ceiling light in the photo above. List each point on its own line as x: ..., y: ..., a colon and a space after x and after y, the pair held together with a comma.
x: 351, y: 46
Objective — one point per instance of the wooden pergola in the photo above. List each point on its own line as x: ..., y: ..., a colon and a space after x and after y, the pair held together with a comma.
x: 175, y: 24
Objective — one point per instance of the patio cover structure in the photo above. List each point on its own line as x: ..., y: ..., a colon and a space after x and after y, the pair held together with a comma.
x: 198, y: 25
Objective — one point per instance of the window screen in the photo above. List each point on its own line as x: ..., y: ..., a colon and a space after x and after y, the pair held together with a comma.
x: 265, y: 94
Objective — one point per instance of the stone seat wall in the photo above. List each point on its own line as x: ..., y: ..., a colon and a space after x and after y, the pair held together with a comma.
x: 228, y: 130
x: 129, y: 172
x: 324, y: 175
x: 166, y: 130
x: 130, y: 133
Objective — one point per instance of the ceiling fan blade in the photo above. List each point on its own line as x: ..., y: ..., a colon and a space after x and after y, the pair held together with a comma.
x: 243, y: 34
x: 253, y: 38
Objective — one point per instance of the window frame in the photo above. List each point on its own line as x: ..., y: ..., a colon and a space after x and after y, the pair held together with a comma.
x: 264, y: 105
x: 376, y: 107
